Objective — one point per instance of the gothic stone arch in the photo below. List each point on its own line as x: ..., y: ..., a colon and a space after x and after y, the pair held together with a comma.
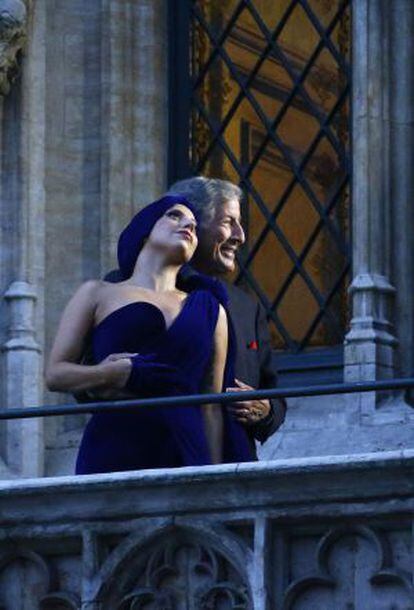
x: 175, y: 568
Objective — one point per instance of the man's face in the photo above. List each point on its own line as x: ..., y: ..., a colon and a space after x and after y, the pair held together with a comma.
x: 219, y: 240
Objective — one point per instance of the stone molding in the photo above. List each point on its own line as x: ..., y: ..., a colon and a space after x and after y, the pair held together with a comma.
x: 319, y: 480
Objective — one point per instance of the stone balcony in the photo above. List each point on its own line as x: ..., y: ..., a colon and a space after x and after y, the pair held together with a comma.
x: 307, y: 534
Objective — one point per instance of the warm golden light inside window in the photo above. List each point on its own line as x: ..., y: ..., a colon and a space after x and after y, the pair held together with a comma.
x: 274, y: 118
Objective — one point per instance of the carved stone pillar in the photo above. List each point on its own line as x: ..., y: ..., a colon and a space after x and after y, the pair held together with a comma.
x: 22, y: 360
x: 22, y: 354
x: 134, y: 117
x: 371, y: 342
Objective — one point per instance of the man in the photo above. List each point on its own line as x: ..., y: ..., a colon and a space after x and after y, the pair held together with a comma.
x: 220, y: 236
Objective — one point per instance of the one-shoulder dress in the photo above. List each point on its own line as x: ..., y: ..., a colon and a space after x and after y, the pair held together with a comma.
x: 160, y: 437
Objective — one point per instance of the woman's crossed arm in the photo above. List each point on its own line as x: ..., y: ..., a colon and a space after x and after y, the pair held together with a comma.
x: 63, y: 372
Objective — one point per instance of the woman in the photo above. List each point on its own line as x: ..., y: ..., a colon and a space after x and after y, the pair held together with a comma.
x: 150, y: 339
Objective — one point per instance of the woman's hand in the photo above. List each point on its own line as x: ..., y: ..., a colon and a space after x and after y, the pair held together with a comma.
x: 103, y: 381
x: 64, y: 373
x: 116, y: 368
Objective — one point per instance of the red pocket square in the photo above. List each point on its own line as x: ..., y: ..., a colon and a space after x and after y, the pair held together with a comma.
x: 253, y: 345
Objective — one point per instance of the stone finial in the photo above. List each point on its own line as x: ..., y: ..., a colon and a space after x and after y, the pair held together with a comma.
x: 13, y: 20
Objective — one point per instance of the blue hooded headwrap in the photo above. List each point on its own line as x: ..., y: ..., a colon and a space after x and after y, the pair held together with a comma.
x: 134, y: 235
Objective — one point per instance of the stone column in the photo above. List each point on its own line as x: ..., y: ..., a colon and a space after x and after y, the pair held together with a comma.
x: 22, y: 354
x: 402, y: 185
x: 370, y: 344
x: 150, y: 144
x: 134, y: 113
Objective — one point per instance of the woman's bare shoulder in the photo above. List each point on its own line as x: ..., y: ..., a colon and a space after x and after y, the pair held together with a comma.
x: 89, y: 292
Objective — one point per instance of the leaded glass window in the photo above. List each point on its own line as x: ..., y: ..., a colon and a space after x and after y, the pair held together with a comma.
x: 268, y: 108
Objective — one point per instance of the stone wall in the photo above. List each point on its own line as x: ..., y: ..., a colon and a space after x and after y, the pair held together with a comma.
x: 83, y: 146
x: 297, y: 534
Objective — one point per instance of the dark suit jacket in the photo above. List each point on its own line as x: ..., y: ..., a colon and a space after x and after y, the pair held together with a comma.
x: 254, y: 355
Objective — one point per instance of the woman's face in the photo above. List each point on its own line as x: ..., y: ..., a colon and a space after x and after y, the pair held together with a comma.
x: 175, y: 232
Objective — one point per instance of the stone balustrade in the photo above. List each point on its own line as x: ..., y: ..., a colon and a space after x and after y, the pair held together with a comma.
x: 305, y: 534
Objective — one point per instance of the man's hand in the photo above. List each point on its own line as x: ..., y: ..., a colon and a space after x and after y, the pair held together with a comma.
x: 247, y: 412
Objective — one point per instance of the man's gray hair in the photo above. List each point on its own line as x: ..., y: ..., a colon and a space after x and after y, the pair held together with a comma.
x: 206, y: 194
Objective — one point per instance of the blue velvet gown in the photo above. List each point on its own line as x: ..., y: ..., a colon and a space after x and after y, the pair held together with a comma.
x: 160, y: 437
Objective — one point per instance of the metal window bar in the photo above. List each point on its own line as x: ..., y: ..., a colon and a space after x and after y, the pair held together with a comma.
x: 277, y: 141
x: 280, y: 235
x: 286, y: 64
x: 298, y: 80
x: 239, y: 98
x: 404, y: 383
x: 324, y: 130
x: 281, y: 202
x: 326, y: 221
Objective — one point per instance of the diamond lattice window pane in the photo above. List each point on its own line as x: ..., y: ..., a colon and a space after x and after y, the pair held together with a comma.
x: 270, y: 111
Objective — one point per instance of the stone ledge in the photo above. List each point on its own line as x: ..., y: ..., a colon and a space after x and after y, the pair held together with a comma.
x: 300, y: 484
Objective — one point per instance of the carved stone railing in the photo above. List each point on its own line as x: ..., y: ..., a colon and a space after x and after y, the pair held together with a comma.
x: 297, y: 534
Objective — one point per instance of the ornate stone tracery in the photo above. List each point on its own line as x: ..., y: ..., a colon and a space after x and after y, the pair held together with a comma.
x: 354, y: 569
x: 23, y: 565
x: 13, y: 34
x: 177, y: 570
x: 182, y: 573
